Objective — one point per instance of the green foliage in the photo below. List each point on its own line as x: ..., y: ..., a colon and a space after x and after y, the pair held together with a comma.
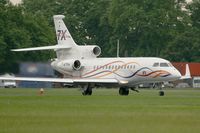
x: 194, y: 9
x: 185, y: 47
x: 144, y: 27
x: 19, y: 29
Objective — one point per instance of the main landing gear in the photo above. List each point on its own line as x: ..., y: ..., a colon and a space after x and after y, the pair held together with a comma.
x: 87, y: 90
x: 124, y: 91
x: 161, y: 92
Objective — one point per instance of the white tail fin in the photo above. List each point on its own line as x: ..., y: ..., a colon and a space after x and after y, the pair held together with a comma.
x: 187, y: 73
x: 64, y: 38
x: 63, y: 35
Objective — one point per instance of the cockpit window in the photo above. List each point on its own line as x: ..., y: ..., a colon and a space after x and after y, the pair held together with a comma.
x: 170, y: 65
x: 156, y: 64
x: 164, y: 65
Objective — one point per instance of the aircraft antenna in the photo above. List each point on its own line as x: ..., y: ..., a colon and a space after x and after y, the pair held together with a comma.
x: 118, y: 48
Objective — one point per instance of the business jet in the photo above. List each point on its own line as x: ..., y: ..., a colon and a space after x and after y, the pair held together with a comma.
x: 81, y: 66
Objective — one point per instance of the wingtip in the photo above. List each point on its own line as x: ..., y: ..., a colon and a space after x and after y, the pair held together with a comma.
x: 187, y: 73
x: 14, y: 50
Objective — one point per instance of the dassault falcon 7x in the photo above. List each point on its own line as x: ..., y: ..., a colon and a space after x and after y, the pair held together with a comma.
x: 81, y: 67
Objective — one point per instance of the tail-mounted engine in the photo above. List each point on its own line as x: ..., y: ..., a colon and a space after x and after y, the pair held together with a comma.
x: 96, y: 50
x: 67, y: 65
x: 90, y: 51
x: 76, y: 65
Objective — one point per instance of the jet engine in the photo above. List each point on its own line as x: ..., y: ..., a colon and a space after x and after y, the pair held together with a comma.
x: 96, y: 50
x: 90, y: 51
x: 76, y: 65
x: 67, y: 65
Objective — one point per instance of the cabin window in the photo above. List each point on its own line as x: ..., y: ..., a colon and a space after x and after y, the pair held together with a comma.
x: 156, y: 64
x: 144, y: 73
x: 113, y: 67
x: 170, y: 64
x: 128, y: 67
x: 118, y: 66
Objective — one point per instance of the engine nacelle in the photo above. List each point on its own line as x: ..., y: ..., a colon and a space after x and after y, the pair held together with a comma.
x: 90, y: 51
x: 76, y: 65
x: 96, y: 50
x: 67, y: 65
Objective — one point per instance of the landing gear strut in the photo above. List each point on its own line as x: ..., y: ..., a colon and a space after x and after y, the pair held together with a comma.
x: 159, y: 86
x: 161, y: 92
x: 124, y: 91
x: 134, y: 89
x: 87, y: 90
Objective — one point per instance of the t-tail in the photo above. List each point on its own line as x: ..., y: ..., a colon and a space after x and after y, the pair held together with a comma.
x: 62, y: 33
x: 64, y: 38
x: 66, y: 48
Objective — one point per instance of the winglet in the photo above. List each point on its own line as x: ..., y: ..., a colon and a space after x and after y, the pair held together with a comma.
x: 187, y: 73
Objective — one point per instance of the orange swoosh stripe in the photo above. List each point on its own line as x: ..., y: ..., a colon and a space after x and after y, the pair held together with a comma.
x: 111, y: 71
x: 115, y: 70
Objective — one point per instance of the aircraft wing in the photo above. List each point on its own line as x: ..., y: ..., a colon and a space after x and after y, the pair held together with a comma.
x: 54, y: 47
x: 62, y: 80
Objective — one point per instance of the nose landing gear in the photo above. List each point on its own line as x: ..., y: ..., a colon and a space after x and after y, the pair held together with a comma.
x: 161, y: 93
x: 160, y: 87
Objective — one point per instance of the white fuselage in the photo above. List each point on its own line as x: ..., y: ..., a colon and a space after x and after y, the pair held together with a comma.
x: 130, y: 70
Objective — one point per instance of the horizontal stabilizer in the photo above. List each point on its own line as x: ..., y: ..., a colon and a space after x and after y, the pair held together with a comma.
x: 61, y: 80
x: 54, y: 47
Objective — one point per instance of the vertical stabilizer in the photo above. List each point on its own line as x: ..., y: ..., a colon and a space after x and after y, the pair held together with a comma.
x: 62, y: 33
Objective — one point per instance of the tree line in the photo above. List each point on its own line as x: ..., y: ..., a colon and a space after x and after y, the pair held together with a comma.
x: 163, y: 28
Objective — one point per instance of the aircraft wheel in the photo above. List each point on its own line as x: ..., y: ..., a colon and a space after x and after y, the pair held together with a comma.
x: 161, y: 93
x: 120, y: 91
x: 84, y: 93
x: 123, y: 91
x: 88, y: 91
